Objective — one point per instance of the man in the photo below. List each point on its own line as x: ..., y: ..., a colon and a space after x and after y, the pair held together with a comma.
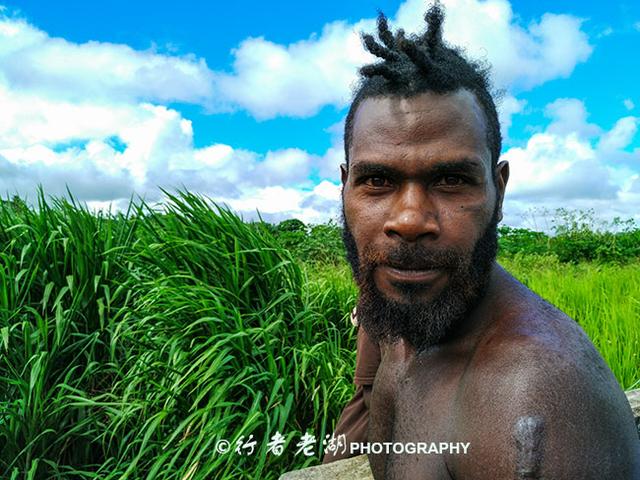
x: 469, y: 355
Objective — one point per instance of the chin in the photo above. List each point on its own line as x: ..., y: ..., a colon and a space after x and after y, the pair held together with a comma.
x: 409, y: 293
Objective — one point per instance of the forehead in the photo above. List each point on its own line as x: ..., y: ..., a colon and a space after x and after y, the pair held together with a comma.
x: 429, y: 126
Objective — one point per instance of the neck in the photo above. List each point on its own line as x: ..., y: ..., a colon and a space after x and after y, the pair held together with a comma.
x: 480, y: 317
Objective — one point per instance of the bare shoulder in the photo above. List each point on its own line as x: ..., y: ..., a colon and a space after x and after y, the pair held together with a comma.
x: 538, y: 398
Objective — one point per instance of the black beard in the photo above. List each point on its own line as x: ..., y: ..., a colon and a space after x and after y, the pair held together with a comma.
x: 421, y: 323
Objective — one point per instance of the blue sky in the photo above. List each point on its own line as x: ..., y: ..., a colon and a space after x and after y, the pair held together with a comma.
x: 244, y: 102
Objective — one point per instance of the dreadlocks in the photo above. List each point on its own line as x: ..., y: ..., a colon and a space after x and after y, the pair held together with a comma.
x: 419, y: 64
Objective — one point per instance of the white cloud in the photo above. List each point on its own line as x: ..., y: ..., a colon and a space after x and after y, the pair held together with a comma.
x: 289, y: 166
x: 569, y: 115
x: 81, y: 115
x: 328, y: 190
x: 628, y: 104
x: 298, y: 79
x: 78, y: 115
x: 329, y: 164
x: 277, y: 203
x: 76, y: 141
x: 270, y: 79
x: 620, y: 136
x: 31, y: 60
x: 273, y: 199
x: 574, y: 164
x: 556, y: 167
x: 77, y: 169
x: 637, y: 26
x: 105, y: 153
x: 507, y: 108
x: 522, y: 57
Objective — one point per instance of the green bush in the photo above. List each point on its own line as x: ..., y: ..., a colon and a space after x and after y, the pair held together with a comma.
x: 578, y: 237
x: 320, y: 243
x: 521, y: 240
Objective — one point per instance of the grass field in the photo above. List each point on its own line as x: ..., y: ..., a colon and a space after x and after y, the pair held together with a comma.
x: 130, y: 345
x: 603, y: 299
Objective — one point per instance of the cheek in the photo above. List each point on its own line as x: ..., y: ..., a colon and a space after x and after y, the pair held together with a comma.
x: 462, y: 207
x: 465, y: 220
x: 465, y: 210
x: 364, y: 218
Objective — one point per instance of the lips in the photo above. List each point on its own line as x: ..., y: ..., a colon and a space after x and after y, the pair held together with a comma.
x: 411, y: 275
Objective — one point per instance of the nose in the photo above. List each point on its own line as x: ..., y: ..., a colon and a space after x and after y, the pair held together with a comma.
x: 413, y: 215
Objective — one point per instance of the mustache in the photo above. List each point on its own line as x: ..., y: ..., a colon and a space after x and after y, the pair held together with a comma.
x: 415, y: 257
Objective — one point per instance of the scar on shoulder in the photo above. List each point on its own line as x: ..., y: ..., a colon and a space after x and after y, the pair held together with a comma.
x: 529, y: 437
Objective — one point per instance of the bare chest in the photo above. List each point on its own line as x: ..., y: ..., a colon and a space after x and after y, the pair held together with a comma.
x: 413, y: 417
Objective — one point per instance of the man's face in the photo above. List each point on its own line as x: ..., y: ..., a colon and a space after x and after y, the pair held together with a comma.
x: 420, y: 206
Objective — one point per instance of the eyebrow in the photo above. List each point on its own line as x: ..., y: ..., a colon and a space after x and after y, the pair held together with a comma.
x: 472, y: 167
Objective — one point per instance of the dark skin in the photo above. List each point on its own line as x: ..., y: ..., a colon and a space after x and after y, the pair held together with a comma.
x: 518, y: 379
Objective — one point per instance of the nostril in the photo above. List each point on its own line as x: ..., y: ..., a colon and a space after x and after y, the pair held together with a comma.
x: 412, y: 225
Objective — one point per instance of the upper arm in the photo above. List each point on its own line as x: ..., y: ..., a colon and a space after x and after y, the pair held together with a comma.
x: 548, y: 418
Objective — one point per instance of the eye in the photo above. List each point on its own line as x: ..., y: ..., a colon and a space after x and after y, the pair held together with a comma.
x: 451, y: 181
x: 377, y: 182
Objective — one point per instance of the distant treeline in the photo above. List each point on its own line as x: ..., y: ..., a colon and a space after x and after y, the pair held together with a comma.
x: 575, y: 238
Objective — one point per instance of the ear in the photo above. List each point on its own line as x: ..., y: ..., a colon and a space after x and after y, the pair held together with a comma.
x: 502, y: 177
x: 344, y: 172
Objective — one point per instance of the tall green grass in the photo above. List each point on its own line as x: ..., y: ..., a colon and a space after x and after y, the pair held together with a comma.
x: 63, y: 277
x: 130, y: 344
x: 603, y: 298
